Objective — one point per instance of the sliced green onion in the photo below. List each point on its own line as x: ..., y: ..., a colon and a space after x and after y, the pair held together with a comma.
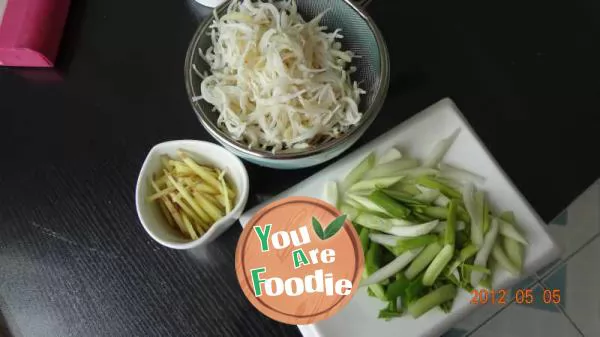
x: 422, y: 260
x: 390, y: 311
x: 509, y: 230
x: 477, y: 268
x: 405, y: 244
x: 418, y: 172
x: 450, y: 232
x: 486, y: 282
x: 515, y: 251
x: 486, y: 217
x: 460, y: 226
x: 392, y: 268
x: 364, y: 239
x: 350, y: 211
x: 436, y: 185
x: 397, y: 288
x: 473, y: 210
x: 359, y: 171
x: 454, y: 278
x: 503, y: 260
x: 378, y: 291
x: 372, y: 263
x: 431, y: 300
x: 381, y: 224
x: 439, y: 150
x: 457, y: 186
x: 367, y: 204
x: 420, y: 218
x: 460, y: 174
x: 434, y: 212
x: 427, y: 196
x: 384, y: 239
x: 508, y: 216
x: 438, y: 264
x: 461, y: 211
x: 350, y: 202
x: 480, y: 204
x: 407, y: 188
x: 467, y: 252
x: 412, y: 231
x: 375, y: 183
x: 390, y: 205
x: 403, y: 197
x: 392, y: 168
x: 441, y: 201
x: 330, y: 194
x: 373, y: 258
x: 391, y: 155
x: 483, y: 253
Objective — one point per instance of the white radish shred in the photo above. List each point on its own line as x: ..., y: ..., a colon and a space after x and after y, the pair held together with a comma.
x: 277, y: 81
x: 482, y: 255
x: 392, y: 268
x: 439, y: 150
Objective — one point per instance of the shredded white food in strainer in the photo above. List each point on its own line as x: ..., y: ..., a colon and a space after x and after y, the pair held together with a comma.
x: 278, y: 81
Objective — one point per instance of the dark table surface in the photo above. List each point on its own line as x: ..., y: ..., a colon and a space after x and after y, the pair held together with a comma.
x: 74, y: 261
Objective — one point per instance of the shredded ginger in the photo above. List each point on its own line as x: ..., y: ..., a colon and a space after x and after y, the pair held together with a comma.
x: 277, y: 81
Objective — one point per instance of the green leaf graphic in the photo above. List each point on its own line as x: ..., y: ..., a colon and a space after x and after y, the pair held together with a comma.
x: 318, y: 229
x: 334, y: 226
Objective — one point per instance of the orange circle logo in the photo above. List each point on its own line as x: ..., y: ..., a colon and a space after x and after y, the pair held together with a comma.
x: 299, y: 261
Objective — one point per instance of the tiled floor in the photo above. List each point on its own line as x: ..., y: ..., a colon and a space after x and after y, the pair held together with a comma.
x: 575, y: 277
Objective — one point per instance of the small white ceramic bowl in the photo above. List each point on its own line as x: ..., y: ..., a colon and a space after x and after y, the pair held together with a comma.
x: 203, y: 153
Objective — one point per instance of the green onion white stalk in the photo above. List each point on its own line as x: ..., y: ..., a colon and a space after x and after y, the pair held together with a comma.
x: 391, y: 155
x: 427, y: 231
x: 392, y: 268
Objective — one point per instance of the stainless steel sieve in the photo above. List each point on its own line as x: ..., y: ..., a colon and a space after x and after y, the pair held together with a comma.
x: 361, y: 36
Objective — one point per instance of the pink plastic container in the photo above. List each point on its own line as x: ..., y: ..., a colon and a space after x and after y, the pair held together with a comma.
x: 30, y: 31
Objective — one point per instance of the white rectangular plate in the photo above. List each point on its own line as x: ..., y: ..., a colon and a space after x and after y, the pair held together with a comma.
x: 416, y: 136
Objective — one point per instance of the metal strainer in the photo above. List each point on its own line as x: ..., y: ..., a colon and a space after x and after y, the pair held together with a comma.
x: 361, y: 36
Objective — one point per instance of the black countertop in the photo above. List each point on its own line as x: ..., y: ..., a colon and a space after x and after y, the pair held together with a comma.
x: 74, y: 261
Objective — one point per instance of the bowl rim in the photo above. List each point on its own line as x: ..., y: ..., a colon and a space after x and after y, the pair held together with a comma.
x: 368, y: 116
x: 242, y: 191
